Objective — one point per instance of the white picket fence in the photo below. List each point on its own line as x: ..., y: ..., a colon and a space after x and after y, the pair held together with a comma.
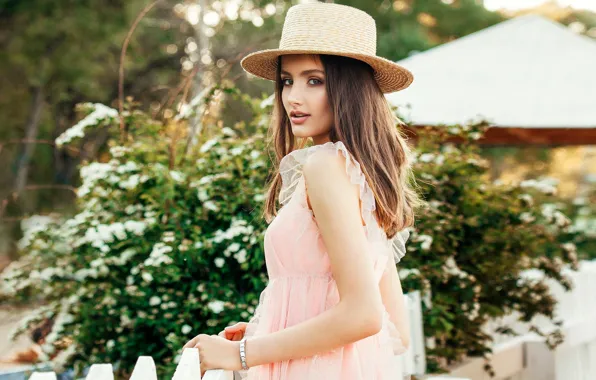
x: 525, y: 357
x: 189, y: 368
x: 413, y: 361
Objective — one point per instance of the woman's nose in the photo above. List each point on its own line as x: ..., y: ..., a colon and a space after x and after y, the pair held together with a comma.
x: 295, y: 95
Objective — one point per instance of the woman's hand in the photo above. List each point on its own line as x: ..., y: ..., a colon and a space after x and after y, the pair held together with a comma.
x: 216, y: 352
x: 234, y: 332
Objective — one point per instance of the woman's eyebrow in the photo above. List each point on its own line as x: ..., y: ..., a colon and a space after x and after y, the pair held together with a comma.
x: 305, y: 72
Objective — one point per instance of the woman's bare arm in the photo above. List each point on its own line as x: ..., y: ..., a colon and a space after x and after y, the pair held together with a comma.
x: 393, y: 299
x: 358, y: 314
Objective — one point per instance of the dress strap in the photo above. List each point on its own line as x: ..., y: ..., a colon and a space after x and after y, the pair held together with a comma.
x: 290, y: 169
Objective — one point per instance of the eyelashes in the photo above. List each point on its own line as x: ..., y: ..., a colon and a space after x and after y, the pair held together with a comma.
x: 283, y: 81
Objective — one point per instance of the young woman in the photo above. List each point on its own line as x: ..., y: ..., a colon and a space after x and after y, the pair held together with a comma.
x: 333, y: 308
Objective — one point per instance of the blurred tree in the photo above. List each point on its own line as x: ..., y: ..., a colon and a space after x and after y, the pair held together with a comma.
x: 55, y: 54
x: 409, y: 26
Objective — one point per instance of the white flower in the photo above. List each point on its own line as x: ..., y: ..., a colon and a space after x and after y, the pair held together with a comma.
x: 426, y: 241
x: 202, y: 195
x: 267, y: 102
x: 216, y: 306
x: 100, y: 113
x: 219, y: 262
x: 210, y: 205
x: 580, y: 201
x: 168, y: 237
x: 526, y: 217
x: 118, y: 151
x: 426, y: 157
x: 236, y: 151
x: 158, y: 255
x: 241, y: 256
x: 451, y: 267
x: 110, y: 344
x: 129, y: 166
x: 186, y: 329
x: 569, y: 247
x: 404, y: 273
x: 30, y: 226
x: 527, y: 198
x: 154, y: 301
x: 208, y: 145
x: 177, y: 176
x: 560, y: 219
x: 546, y: 186
x: 147, y: 277
x: 228, y: 131
x: 131, y: 182
x: 137, y: 228
x: 118, y: 230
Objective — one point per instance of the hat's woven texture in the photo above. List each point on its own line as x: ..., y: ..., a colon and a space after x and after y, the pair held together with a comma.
x: 326, y: 28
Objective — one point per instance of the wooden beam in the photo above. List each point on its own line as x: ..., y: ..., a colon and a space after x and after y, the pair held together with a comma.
x: 508, y: 136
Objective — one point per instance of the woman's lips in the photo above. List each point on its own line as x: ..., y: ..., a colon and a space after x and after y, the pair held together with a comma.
x: 299, y: 120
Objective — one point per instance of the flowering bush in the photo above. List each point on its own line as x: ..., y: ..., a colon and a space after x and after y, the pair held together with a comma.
x: 473, y: 241
x: 165, y: 244
x: 582, y: 211
x: 168, y: 242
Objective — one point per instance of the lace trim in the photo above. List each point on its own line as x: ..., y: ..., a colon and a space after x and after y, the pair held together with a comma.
x: 290, y: 169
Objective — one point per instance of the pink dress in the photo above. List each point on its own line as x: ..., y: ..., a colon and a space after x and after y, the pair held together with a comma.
x: 301, y: 285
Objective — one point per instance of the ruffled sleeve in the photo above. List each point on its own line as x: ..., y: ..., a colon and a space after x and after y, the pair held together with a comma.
x: 290, y: 169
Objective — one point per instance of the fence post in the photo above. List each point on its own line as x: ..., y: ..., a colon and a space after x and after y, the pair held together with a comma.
x: 417, y: 352
x: 144, y: 369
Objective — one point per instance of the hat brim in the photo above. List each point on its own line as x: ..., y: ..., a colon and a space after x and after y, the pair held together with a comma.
x: 390, y: 76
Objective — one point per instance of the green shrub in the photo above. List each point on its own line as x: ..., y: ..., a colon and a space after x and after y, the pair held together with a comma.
x: 471, y: 244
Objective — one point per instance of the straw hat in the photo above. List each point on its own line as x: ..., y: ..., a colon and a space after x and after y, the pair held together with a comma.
x: 334, y: 29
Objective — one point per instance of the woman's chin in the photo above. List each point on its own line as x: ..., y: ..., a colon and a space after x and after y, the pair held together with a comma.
x: 300, y: 131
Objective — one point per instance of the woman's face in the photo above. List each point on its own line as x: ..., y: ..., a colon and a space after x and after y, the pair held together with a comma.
x: 304, y: 92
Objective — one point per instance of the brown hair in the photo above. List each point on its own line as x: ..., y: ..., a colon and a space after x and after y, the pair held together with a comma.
x: 366, y: 125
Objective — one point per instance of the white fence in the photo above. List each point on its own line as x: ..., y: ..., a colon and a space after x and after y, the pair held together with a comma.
x: 525, y: 357
x: 413, y: 361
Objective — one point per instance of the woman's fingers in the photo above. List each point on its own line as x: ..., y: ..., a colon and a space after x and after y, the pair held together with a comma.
x: 191, y: 343
x: 237, y: 326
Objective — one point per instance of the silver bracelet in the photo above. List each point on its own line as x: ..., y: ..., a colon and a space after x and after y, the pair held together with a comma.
x: 243, y: 353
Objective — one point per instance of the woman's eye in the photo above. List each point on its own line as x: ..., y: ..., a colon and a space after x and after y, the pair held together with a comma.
x: 315, y: 80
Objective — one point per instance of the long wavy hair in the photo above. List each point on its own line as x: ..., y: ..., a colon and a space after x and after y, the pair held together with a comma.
x: 366, y: 125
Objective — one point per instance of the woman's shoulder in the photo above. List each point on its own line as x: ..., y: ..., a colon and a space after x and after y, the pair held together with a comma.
x: 299, y: 157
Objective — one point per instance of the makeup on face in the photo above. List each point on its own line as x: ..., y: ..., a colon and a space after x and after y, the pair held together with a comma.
x: 299, y: 116
x: 304, y: 95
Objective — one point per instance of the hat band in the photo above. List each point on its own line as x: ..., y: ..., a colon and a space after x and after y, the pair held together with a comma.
x: 329, y: 42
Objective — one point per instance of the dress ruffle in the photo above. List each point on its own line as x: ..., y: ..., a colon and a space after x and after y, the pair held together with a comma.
x: 290, y: 169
